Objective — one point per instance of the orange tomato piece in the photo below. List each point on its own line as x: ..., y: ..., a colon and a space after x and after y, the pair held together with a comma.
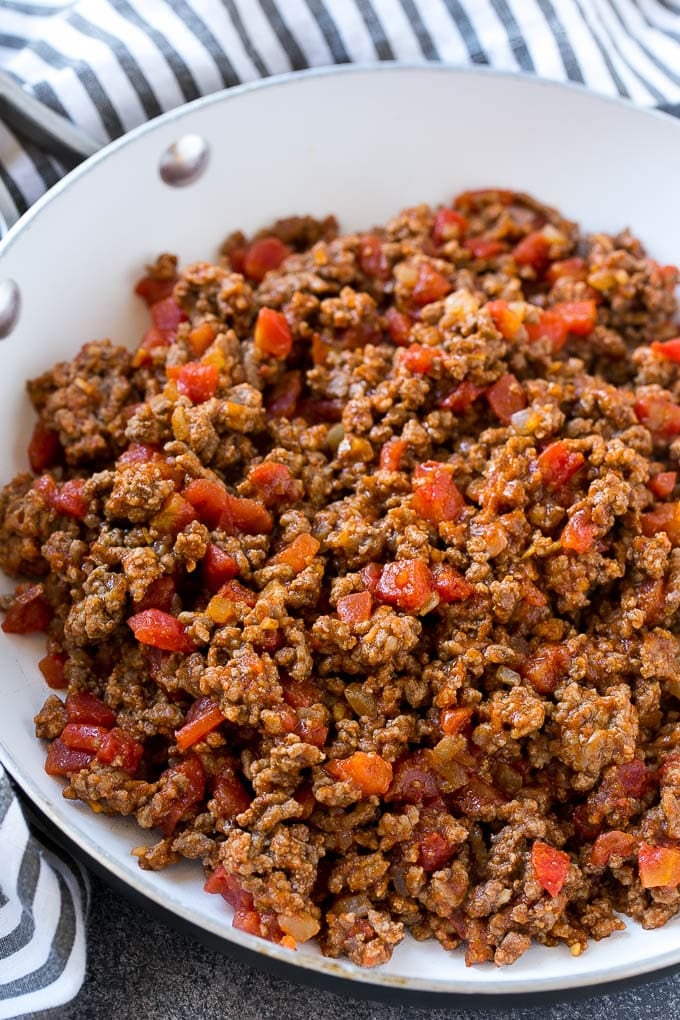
x: 272, y: 334
x: 659, y: 866
x: 355, y: 608
x: 436, y: 497
x: 263, y: 255
x: 551, y: 866
x: 506, y: 397
x: 406, y: 584
x: 299, y: 554
x: 368, y: 771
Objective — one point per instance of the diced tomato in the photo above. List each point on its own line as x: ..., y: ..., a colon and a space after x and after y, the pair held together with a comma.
x: 283, y: 399
x: 245, y: 516
x: 669, y: 349
x: 153, y: 290
x: 121, y: 750
x: 430, y: 285
x: 70, y: 499
x: 174, y: 516
x: 166, y: 316
x: 461, y: 399
x: 558, y: 463
x: 449, y: 584
x: 371, y: 773
x: 434, y: 851
x: 82, y: 736
x: 507, y: 320
x: 563, y: 318
x: 318, y: 411
x: 573, y: 268
x: 272, y: 334
x: 160, y: 630
x: 217, y: 567
x: 453, y: 720
x: 663, y: 484
x: 29, y: 611
x: 139, y: 453
x: 651, y: 599
x: 663, y: 517
x: 372, y: 259
x: 611, y: 844
x: 533, y: 250
x: 152, y: 339
x: 263, y: 255
x: 355, y: 608
x: 448, y: 225
x: 229, y: 602
x: 551, y: 866
x: 635, y: 778
x: 85, y: 708
x: 370, y: 575
x: 231, y: 796
x: 391, y: 454
x: 311, y: 731
x: 63, y: 761
x: 52, y: 668
x: 44, y: 448
x: 208, y: 498
x: 299, y: 554
x: 659, y: 414
x: 484, y: 247
x: 414, y: 782
x: 204, y: 720
x: 506, y: 397
x: 436, y: 497
x: 659, y: 866
x: 418, y: 359
x: 300, y: 694
x: 578, y: 534
x: 158, y: 595
x: 190, y: 773
x: 198, y: 382
x: 274, y: 483
x: 398, y: 326
x: 201, y: 337
x: 545, y: 667
x: 320, y: 350
x: 408, y: 585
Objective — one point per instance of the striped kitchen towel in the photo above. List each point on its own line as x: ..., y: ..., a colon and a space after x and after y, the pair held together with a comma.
x: 42, y: 911
x: 108, y: 65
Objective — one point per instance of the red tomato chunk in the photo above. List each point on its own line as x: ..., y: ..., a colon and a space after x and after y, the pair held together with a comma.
x: 44, y: 448
x: 371, y: 773
x: 408, y: 585
x: 28, y: 612
x: 263, y: 255
x: 52, y: 668
x: 198, y: 382
x: 506, y: 397
x: 217, y: 567
x: 436, y: 497
x: 160, y: 630
x: 84, y: 707
x: 272, y: 334
x: 558, y: 464
x: 188, y: 780
x: 551, y: 866
x: 203, y: 717
x: 119, y: 749
x: 355, y: 608
x: 63, y: 761
x: 659, y: 866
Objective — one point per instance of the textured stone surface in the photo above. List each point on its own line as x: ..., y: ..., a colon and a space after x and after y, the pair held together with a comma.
x: 140, y: 967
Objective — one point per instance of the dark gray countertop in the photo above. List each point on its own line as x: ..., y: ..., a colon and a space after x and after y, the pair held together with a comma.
x: 139, y: 967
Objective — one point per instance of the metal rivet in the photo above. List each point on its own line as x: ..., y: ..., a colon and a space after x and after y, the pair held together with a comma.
x: 10, y: 303
x: 184, y: 161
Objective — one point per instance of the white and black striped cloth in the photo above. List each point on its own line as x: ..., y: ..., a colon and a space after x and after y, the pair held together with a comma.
x: 108, y: 65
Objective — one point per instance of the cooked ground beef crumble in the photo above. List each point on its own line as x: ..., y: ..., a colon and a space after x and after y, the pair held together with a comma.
x: 361, y: 577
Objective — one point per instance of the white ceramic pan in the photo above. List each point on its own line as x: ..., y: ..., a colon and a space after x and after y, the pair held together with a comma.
x: 359, y: 142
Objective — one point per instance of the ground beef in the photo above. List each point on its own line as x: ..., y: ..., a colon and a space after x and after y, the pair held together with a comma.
x: 361, y: 578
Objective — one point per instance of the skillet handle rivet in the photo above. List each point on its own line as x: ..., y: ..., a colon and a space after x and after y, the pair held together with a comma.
x: 10, y: 304
x: 184, y: 161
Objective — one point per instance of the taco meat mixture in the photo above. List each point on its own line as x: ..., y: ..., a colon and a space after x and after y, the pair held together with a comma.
x: 360, y: 579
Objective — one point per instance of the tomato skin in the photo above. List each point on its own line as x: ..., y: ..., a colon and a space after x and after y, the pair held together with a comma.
x: 398, y: 326
x: 448, y: 225
x: 52, y: 668
x: 449, y: 584
x: 198, y: 382
x: 669, y: 349
x: 551, y: 866
x: 85, y: 707
x: 461, y: 399
x: 430, y: 286
x: 453, y: 720
x: 558, y: 463
x: 63, y: 761
x: 609, y: 844
x: 355, y: 608
x: 578, y: 534
x: 29, y: 611
x: 436, y: 497
x: 659, y: 414
x: 659, y: 866
x: 263, y: 255
x: 299, y: 554
x: 371, y: 773
x: 662, y: 485
x: 406, y: 584
x: 191, y: 771
x: 274, y: 483
x: 203, y: 717
x: 391, y: 454
x: 272, y: 334
x: 506, y: 397
x: 44, y: 448
x: 118, y: 748
x: 217, y: 567
x: 160, y: 630
x: 372, y: 259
